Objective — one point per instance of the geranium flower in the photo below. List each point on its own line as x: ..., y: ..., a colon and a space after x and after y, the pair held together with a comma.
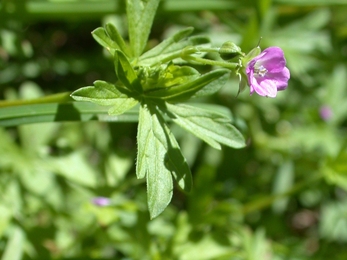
x: 326, y: 113
x: 267, y: 73
x: 101, y: 201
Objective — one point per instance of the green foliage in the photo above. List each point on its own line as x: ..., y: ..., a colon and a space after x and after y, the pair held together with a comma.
x: 158, y: 158
x: 140, y: 17
x: 155, y: 87
x: 156, y: 98
x: 212, y: 127
x: 106, y: 94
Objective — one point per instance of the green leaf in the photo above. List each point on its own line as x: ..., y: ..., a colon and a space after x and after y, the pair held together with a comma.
x: 74, y: 167
x: 333, y: 221
x: 214, y: 128
x: 177, y: 163
x: 172, y: 50
x: 100, y: 35
x: 28, y: 113
x: 15, y: 245
x: 122, y: 105
x: 335, y: 170
x: 283, y: 182
x: 167, y: 77
x: 126, y: 73
x: 140, y: 15
x: 105, y: 94
x: 215, y: 83
x: 152, y: 150
x: 164, y: 45
x: 212, y: 81
x: 159, y: 158
x: 102, y: 93
x: 61, y: 112
x: 117, y: 38
x: 110, y: 38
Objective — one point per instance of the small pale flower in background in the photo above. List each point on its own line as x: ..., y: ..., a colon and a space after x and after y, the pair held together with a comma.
x: 101, y: 201
x: 267, y: 73
x: 325, y: 112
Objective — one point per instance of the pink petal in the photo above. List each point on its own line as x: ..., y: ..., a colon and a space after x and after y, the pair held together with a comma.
x: 273, y: 59
x: 280, y: 78
x: 265, y: 87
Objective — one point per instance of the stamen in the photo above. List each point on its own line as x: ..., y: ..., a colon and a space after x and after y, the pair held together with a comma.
x: 261, y: 71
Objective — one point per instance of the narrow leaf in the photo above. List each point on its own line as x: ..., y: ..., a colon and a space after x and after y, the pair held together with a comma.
x: 160, y: 48
x: 177, y: 164
x: 213, y: 86
x: 212, y: 127
x: 170, y: 51
x: 140, y: 15
x: 144, y: 139
x: 212, y: 81
x: 125, y: 72
x: 61, y: 112
x: 100, y: 35
x: 117, y: 38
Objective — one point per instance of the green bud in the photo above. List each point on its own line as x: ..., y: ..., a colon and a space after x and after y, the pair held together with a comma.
x: 229, y: 50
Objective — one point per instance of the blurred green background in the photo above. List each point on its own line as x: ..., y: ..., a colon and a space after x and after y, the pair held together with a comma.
x: 282, y: 197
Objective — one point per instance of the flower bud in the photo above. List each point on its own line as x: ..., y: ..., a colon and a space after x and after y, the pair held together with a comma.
x: 229, y: 50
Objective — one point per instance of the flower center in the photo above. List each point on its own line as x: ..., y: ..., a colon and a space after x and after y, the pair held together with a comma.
x: 260, y: 70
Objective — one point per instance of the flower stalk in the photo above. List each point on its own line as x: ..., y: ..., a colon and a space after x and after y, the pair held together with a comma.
x: 264, y: 72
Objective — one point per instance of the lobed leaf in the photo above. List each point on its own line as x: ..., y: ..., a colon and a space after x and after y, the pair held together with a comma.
x: 110, y: 38
x: 140, y: 15
x: 117, y: 38
x: 100, y: 35
x: 150, y: 162
x: 102, y: 93
x: 212, y: 127
x: 158, y: 157
x: 105, y: 94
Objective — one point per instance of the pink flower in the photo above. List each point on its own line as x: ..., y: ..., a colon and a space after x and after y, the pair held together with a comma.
x: 101, y: 201
x: 326, y: 113
x: 267, y: 73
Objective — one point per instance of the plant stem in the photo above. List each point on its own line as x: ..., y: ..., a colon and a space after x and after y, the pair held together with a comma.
x: 227, y: 65
x: 55, y: 98
x: 265, y: 202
